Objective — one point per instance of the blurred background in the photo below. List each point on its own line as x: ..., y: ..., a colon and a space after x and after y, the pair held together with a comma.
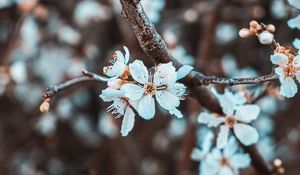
x: 46, y: 42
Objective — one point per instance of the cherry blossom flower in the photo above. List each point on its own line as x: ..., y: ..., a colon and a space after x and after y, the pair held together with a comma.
x: 119, y: 64
x: 121, y: 106
x: 205, y: 147
x: 225, y: 162
x: 237, y: 116
x: 288, y: 69
x: 162, y: 84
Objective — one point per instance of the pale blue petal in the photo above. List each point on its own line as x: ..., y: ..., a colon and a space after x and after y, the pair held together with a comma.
x: 294, y: 22
x: 247, y: 113
x: 127, y: 55
x: 231, y: 147
x: 247, y: 134
x: 146, y: 107
x: 133, y: 91
x: 222, y: 136
x: 128, y: 121
x: 110, y: 94
x: 176, y: 112
x: 296, y: 44
x: 298, y: 76
x: 204, y: 117
x: 117, y: 69
x: 139, y: 71
x: 217, y: 154
x: 288, y: 87
x: 184, y: 71
x: 178, y: 89
x: 167, y: 100
x: 197, y: 154
x: 165, y: 74
x: 279, y: 59
x: 295, y: 3
x: 225, y: 170
x: 227, y: 102
x: 280, y: 72
x: 207, y: 142
x: 240, y: 160
x: 210, y: 165
x: 296, y: 61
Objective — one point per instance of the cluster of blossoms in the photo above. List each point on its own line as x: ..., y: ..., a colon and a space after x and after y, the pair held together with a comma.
x: 262, y: 31
x: 237, y: 116
x: 226, y: 161
x: 134, y: 87
x: 288, y: 70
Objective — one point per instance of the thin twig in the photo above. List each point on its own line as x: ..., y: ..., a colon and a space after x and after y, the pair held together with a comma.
x: 87, y: 76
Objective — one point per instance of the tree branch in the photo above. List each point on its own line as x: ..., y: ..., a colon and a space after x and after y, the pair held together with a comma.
x: 86, y: 76
x: 154, y: 46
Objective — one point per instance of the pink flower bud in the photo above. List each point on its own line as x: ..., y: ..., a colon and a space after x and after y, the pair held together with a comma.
x: 114, y: 83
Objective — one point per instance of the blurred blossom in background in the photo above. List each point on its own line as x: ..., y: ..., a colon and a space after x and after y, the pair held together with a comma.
x: 46, y: 42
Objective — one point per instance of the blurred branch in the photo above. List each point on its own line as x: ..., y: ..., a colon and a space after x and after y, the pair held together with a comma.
x: 86, y: 76
x: 154, y: 46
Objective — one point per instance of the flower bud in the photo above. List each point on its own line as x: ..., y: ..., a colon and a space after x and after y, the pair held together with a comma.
x: 271, y: 28
x: 114, y: 83
x: 254, y: 24
x: 45, y: 106
x: 265, y: 37
x: 244, y: 33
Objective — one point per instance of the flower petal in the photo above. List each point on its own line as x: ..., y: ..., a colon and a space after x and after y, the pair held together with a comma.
x: 146, y: 107
x: 279, y: 59
x: 117, y: 69
x: 139, y: 71
x: 184, y: 71
x: 197, y: 154
x: 280, y: 72
x: 288, y: 87
x: 298, y: 76
x: 127, y: 55
x: 240, y: 160
x: 247, y: 134
x: 294, y: 22
x: 247, y: 113
x: 204, y: 117
x: 295, y: 3
x: 167, y: 100
x: 296, y: 61
x: 178, y: 89
x: 210, y: 165
x: 227, y: 102
x: 225, y: 170
x: 165, y: 74
x: 110, y: 94
x: 133, y: 91
x: 222, y: 136
x: 128, y: 121
x: 230, y: 148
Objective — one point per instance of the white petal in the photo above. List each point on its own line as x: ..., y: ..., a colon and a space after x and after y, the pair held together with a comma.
x: 127, y: 55
x: 120, y: 57
x: 246, y: 134
x: 204, y: 117
x: 279, y: 59
x: 176, y: 112
x: 165, y: 74
x: 178, y: 89
x: 294, y: 22
x: 167, y: 100
x: 295, y: 3
x: 117, y: 69
x: 146, y: 107
x: 280, y: 72
x: 230, y: 148
x: 225, y: 170
x: 247, y: 113
x: 133, y: 91
x: 298, y: 76
x: 227, y: 102
x: 197, y: 154
x: 110, y: 94
x: 184, y: 71
x: 288, y: 87
x: 128, y: 121
x: 139, y: 71
x: 222, y: 136
x: 296, y: 61
x: 210, y: 165
x: 296, y: 43
x: 240, y: 160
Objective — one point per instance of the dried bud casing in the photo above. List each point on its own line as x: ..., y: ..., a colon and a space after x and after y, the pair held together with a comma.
x: 271, y: 28
x: 45, y: 106
x: 266, y: 38
x: 244, y: 33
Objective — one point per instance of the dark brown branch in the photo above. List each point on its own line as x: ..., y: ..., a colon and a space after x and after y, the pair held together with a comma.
x: 87, y: 76
x: 154, y: 46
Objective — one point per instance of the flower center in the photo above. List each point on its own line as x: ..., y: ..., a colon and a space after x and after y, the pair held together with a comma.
x: 149, y: 88
x: 230, y: 121
x: 290, y: 71
x: 224, y: 162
